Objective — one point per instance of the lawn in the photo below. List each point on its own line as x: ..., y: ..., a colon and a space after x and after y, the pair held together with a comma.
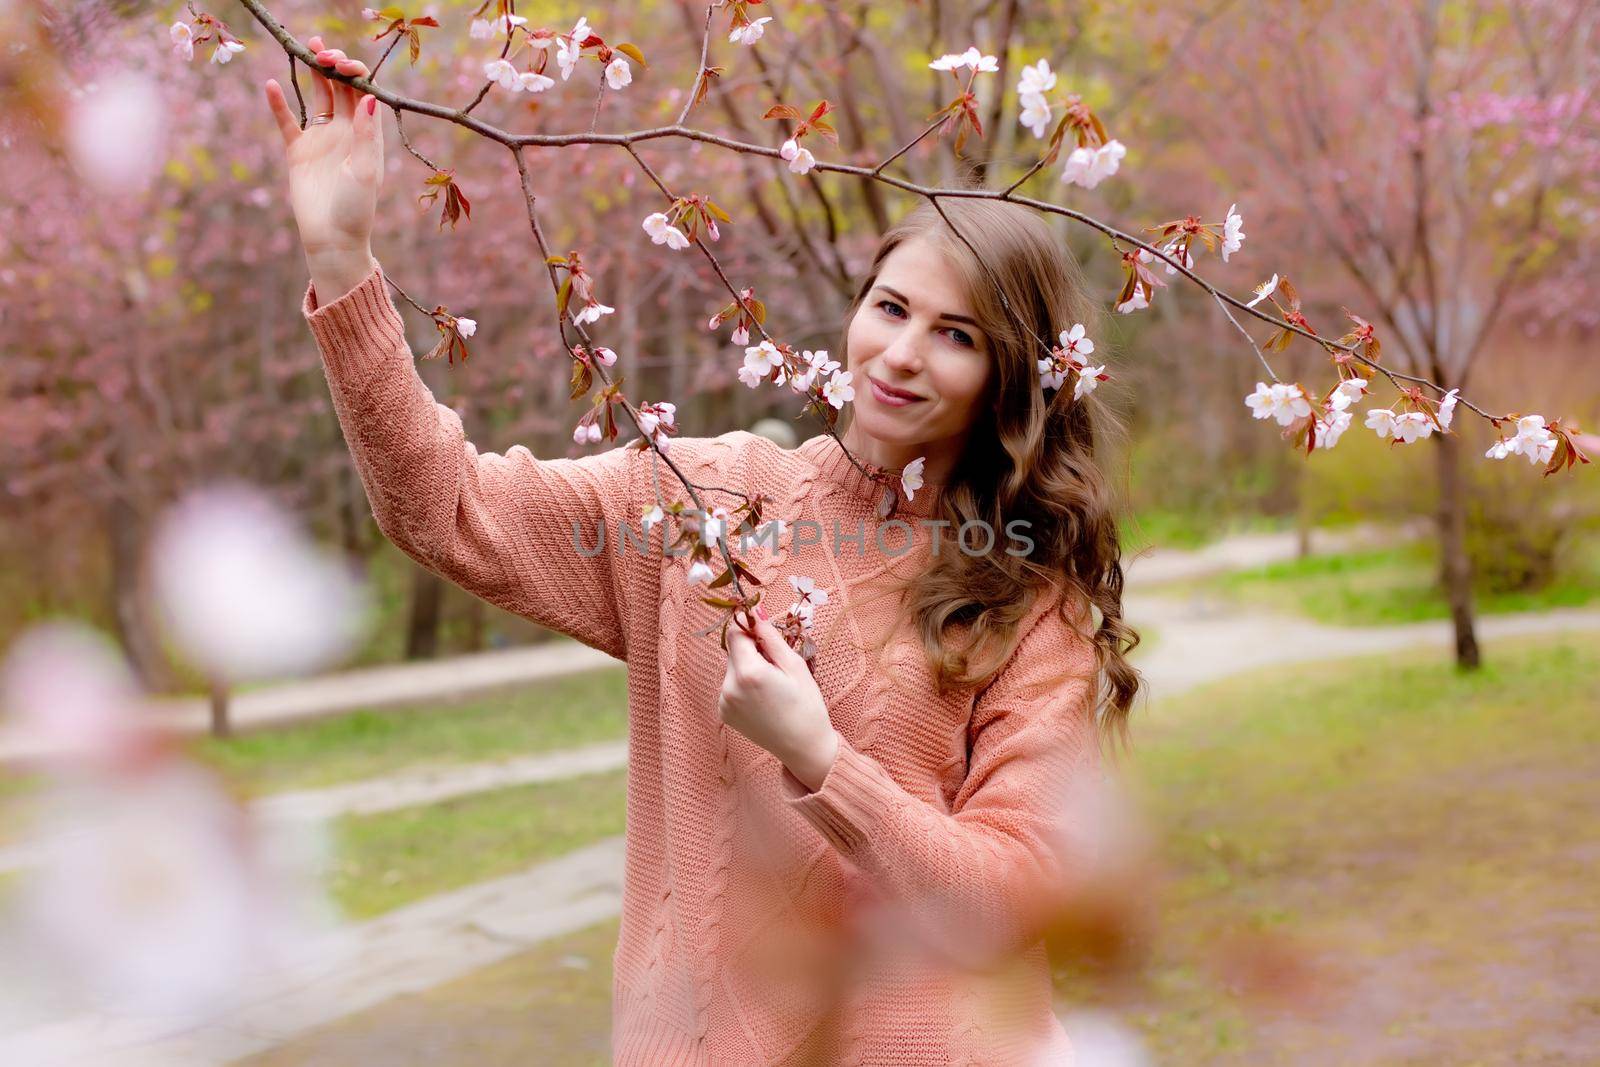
x: 1428, y: 837
x: 1381, y: 586
x: 561, y: 713
x: 394, y: 858
x: 1423, y: 838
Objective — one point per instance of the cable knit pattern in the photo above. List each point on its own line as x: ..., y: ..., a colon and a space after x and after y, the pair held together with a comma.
x: 762, y: 923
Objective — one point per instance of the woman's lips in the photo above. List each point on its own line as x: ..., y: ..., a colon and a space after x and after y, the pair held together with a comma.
x: 884, y: 396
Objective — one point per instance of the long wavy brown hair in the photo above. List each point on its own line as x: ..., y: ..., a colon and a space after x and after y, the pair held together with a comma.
x: 1031, y: 457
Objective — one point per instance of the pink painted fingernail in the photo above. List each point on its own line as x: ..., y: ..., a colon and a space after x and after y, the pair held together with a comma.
x: 372, y: 105
x: 761, y: 611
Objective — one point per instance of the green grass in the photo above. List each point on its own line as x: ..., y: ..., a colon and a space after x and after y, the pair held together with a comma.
x: 1395, y: 818
x: 388, y: 860
x: 561, y: 713
x: 1383, y: 586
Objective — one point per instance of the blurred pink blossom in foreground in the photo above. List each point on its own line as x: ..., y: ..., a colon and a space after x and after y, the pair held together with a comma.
x: 116, y: 131
x: 245, y: 593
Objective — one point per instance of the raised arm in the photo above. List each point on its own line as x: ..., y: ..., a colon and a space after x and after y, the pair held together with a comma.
x: 506, y: 527
x: 520, y: 532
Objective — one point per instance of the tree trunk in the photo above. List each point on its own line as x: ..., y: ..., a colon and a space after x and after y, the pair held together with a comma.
x: 1455, y: 566
x: 422, y: 630
x: 125, y: 537
x: 219, y: 709
x: 476, y: 620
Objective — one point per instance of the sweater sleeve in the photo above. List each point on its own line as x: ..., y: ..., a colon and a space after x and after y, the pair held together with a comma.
x: 971, y: 881
x: 506, y: 527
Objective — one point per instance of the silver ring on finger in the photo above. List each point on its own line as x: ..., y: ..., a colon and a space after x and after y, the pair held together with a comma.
x: 318, y: 120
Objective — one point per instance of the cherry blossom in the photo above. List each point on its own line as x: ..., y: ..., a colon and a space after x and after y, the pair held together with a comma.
x: 750, y: 32
x: 503, y: 74
x: 484, y: 29
x: 1181, y: 254
x: 800, y: 159
x: 970, y: 58
x: 588, y: 431
x: 700, y: 572
x: 1381, y: 421
x: 664, y: 233
x: 652, y: 515
x: 1088, y: 378
x: 1134, y: 302
x: 911, y: 477
x: 618, y: 73
x: 605, y: 356
x: 1264, y: 290
x: 466, y: 327
x: 1533, y: 439
x: 1284, y: 402
x: 533, y: 82
x: 225, y: 50
x: 759, y: 363
x: 740, y: 335
x: 591, y: 312
x: 1232, y: 232
x: 838, y: 391
x: 569, y: 49
x: 1088, y: 167
x: 182, y: 40
x: 1326, y: 432
x: 1036, y: 80
x: 658, y: 420
x: 810, y: 597
x: 1447, y: 408
x: 1035, y: 114
x: 1406, y: 427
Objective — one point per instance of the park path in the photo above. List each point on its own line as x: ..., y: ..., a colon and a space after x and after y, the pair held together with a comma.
x: 448, y: 936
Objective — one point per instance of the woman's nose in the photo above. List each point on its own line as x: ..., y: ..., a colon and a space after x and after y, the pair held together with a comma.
x: 903, y: 355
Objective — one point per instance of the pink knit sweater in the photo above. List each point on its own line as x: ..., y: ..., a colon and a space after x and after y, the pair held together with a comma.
x: 762, y: 923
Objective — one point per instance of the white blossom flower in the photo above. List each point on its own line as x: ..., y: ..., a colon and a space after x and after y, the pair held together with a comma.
x: 652, y: 515
x: 740, y: 335
x: 1350, y: 390
x: 1183, y: 256
x: 911, y: 477
x: 1075, y: 343
x: 838, y: 391
x: 751, y: 376
x: 664, y: 233
x: 533, y: 82
x: 1381, y: 421
x: 1036, y: 79
x: 1134, y: 302
x: 225, y: 50
x: 569, y: 49
x: 700, y: 572
x: 1035, y: 113
x: 480, y: 30
x: 654, y: 418
x: 1088, y: 378
x: 503, y: 74
x: 1232, y: 232
x: 1329, y: 430
x: 970, y: 58
x: 1264, y: 290
x: 1411, y: 426
x: 1533, y: 440
x: 618, y: 74
x: 587, y: 433
x: 750, y: 32
x: 605, y: 356
x: 591, y: 312
x: 466, y: 327
x: 182, y: 40
x: 1088, y: 167
x: 759, y: 363
x: 1281, y: 401
x: 1447, y: 408
x: 800, y: 159
x: 810, y: 597
x: 1051, y: 376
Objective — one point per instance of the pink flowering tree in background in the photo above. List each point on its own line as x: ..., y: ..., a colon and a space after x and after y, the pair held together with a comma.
x: 1072, y: 138
x: 732, y: 166
x: 1439, y: 163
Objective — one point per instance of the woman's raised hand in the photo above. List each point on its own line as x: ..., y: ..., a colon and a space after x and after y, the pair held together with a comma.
x: 335, y: 168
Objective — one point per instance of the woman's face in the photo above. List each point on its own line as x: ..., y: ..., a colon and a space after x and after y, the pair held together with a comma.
x: 914, y: 333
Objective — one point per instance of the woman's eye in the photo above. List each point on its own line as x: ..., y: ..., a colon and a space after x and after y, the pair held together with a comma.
x: 959, y: 335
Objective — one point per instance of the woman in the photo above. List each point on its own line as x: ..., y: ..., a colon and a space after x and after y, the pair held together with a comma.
x: 855, y: 872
